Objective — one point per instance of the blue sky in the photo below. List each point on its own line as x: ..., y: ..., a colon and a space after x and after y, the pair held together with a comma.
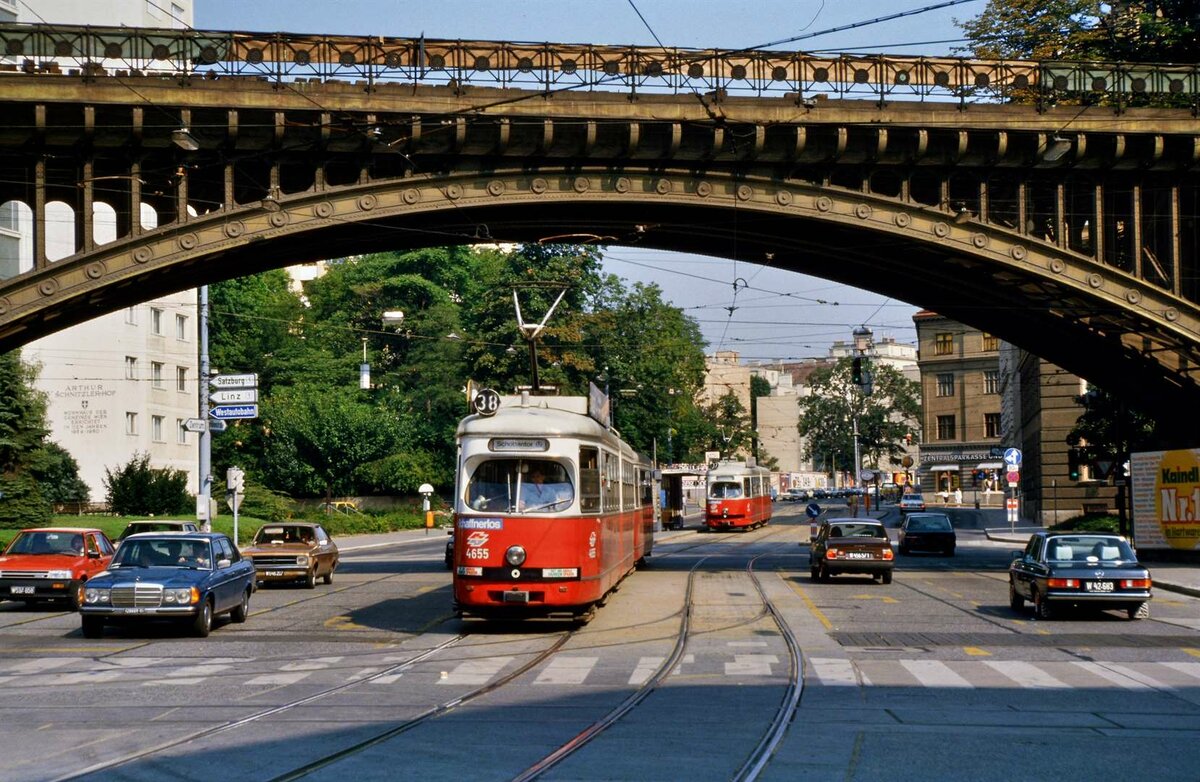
x: 761, y: 326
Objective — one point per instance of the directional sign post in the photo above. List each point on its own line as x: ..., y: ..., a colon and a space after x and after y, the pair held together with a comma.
x: 248, y: 380
x: 234, y: 396
x: 1012, y: 458
x: 217, y: 426
x: 194, y: 425
x: 230, y: 412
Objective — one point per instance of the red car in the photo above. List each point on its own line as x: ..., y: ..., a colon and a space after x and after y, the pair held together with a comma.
x: 52, y: 563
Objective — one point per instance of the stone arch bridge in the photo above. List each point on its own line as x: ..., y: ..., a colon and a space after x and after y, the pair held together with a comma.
x: 1066, y: 224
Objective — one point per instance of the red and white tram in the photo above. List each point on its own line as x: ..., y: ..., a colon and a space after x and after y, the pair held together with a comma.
x: 552, y: 509
x: 739, y: 496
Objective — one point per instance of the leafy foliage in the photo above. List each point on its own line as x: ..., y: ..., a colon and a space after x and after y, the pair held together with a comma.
x: 1107, y: 430
x: 137, y: 489
x: 23, y: 447
x: 59, y: 478
x: 827, y: 416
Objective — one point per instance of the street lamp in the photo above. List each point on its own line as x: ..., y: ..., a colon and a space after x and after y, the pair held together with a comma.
x: 862, y: 344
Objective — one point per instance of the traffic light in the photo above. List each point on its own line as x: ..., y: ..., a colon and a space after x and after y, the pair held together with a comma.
x: 1073, y: 464
x: 856, y: 374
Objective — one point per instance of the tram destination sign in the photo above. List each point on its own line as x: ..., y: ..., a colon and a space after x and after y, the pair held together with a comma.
x: 518, y: 444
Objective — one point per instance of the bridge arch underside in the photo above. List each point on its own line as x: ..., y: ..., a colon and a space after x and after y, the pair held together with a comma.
x: 1125, y: 335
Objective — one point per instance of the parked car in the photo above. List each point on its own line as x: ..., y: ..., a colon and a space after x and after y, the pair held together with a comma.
x: 927, y: 532
x: 794, y: 495
x: 157, y: 576
x: 157, y: 525
x: 1081, y: 569
x: 52, y: 563
x: 851, y: 545
x: 912, y: 503
x: 293, y: 551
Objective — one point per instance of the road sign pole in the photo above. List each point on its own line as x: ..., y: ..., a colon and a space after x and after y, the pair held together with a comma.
x: 205, y: 466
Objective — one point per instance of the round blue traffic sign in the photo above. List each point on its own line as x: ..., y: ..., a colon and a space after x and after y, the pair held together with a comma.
x: 1012, y: 457
x: 813, y: 510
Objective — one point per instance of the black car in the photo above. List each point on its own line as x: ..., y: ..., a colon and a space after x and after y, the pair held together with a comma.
x: 1083, y: 569
x: 186, y: 578
x: 927, y: 532
x: 851, y: 545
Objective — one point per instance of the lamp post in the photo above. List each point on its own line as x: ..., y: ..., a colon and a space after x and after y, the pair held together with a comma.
x: 862, y: 378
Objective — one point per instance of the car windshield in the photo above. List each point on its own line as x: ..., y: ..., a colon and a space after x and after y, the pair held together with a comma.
x: 279, y: 535
x: 150, y: 526
x: 1088, y: 549
x: 912, y: 498
x: 70, y: 543
x: 928, y: 524
x: 163, y: 552
x: 521, y: 486
x: 850, y: 529
x: 725, y: 490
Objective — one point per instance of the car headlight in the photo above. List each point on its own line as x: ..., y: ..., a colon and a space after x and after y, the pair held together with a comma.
x: 515, y: 556
x: 59, y: 574
x: 302, y: 559
x: 95, y: 596
x: 180, y: 596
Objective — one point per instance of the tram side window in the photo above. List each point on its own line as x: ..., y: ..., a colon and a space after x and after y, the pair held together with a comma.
x: 746, y: 487
x: 647, y: 488
x: 589, y: 480
x: 612, y: 483
x: 628, y: 493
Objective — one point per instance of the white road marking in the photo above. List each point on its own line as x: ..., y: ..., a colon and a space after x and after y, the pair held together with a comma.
x: 41, y: 664
x: 935, y: 674
x: 567, y: 670
x: 275, y: 679
x: 747, y: 643
x: 1119, y: 675
x: 751, y: 665
x: 1026, y: 674
x: 645, y: 669
x: 1191, y: 669
x: 688, y: 659
x: 834, y: 672
x: 475, y: 672
x: 315, y: 664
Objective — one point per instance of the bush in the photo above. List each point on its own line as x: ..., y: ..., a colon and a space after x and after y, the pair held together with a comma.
x: 1089, y: 522
x: 137, y: 489
x: 22, y: 503
x: 59, y: 476
x: 363, y: 523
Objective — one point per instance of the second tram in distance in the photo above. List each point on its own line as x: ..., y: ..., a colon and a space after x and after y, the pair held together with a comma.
x: 552, y: 509
x: 739, y: 496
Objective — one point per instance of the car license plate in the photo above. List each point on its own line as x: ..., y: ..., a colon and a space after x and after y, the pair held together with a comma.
x: 858, y: 555
x: 272, y: 572
x: 516, y: 597
x: 133, y: 610
x: 22, y: 590
x: 1098, y: 586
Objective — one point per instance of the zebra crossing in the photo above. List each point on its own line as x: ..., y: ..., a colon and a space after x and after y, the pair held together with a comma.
x: 739, y: 661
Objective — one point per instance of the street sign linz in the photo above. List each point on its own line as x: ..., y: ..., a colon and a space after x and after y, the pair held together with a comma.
x: 248, y: 380
x: 229, y: 412
x: 234, y: 396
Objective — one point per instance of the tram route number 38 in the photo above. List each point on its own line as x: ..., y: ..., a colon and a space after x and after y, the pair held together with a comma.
x: 486, y: 402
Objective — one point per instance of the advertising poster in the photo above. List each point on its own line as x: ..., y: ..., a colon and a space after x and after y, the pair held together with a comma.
x: 1166, y: 499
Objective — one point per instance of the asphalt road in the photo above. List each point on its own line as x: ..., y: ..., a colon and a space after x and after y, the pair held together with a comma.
x: 933, y: 676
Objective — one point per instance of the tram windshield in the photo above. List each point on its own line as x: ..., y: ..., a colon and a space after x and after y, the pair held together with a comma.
x: 725, y: 490
x: 520, y: 486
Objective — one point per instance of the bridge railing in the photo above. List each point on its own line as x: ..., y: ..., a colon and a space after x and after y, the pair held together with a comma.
x: 376, y: 61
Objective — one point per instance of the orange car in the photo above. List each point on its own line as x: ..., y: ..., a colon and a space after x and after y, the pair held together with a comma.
x: 293, y: 551
x: 52, y: 563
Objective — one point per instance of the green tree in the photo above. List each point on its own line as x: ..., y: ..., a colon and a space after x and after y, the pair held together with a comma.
x: 318, y: 438
x: 1107, y: 430
x: 23, y: 451
x: 827, y: 416
x: 59, y: 476
x: 137, y: 489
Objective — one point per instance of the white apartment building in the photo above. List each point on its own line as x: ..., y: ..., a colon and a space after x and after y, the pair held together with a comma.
x: 125, y: 382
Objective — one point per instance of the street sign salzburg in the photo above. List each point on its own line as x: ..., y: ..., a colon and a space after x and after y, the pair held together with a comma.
x: 249, y: 380
x: 194, y: 424
x: 228, y: 412
x: 234, y: 396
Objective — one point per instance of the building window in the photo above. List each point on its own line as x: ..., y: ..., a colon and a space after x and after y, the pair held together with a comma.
x: 945, y: 385
x: 943, y: 344
x: 181, y: 378
x: 990, y: 343
x: 131, y: 423
x: 130, y: 368
x: 181, y: 327
x: 156, y: 376
x: 991, y: 424
x: 945, y: 427
x: 156, y: 320
x: 180, y: 432
x: 131, y: 315
x: 156, y: 428
x: 991, y: 381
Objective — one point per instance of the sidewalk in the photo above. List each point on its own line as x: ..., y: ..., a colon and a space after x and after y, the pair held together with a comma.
x: 1178, y: 577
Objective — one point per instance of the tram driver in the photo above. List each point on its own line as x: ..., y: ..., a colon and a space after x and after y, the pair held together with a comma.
x: 539, y: 494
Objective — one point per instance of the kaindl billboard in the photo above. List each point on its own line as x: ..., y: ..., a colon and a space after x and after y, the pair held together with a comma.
x: 1166, y: 499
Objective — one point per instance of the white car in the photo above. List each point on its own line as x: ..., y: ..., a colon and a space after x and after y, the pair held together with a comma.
x: 912, y: 503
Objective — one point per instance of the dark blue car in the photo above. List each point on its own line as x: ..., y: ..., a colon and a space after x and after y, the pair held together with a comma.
x: 185, y: 577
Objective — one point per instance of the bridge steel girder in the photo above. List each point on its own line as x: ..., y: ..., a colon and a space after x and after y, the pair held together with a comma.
x: 286, y: 175
x: 1092, y: 319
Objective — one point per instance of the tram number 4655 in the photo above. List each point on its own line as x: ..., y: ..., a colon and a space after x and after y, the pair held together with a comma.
x: 486, y: 402
x: 477, y: 553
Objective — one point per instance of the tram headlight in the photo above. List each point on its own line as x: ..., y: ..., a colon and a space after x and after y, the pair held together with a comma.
x: 515, y: 556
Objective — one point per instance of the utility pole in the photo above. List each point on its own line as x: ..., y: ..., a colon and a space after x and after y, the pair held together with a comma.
x: 204, y: 498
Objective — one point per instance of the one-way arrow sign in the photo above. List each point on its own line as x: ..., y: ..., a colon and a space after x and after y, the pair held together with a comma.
x: 234, y: 411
